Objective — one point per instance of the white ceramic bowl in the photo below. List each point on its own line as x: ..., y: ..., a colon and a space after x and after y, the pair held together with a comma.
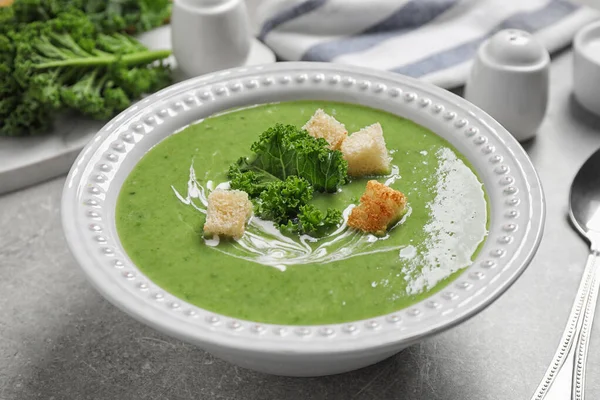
x: 516, y: 220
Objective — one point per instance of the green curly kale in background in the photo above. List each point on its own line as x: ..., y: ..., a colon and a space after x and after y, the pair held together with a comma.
x: 108, y: 16
x: 54, y: 58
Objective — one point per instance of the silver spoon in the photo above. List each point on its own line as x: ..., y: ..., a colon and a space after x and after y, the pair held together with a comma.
x: 565, y: 377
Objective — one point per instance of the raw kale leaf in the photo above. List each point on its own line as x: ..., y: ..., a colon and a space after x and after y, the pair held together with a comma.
x: 314, y: 221
x: 108, y: 16
x: 64, y: 64
x: 251, y: 180
x: 285, y: 150
x: 282, y: 200
x: 287, y: 167
x: 287, y: 204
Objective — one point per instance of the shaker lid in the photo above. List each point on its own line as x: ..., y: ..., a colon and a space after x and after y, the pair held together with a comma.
x: 516, y: 48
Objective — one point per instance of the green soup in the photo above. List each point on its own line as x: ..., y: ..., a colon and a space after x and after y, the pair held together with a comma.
x: 272, y: 278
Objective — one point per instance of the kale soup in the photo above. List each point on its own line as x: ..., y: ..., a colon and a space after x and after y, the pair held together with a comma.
x: 342, y: 213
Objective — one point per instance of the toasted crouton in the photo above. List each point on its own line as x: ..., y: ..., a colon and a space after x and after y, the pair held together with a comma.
x: 323, y: 125
x: 380, y: 207
x: 228, y: 211
x: 366, y: 153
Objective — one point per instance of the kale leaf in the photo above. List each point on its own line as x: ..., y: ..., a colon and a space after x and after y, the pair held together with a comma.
x: 64, y: 64
x: 108, y: 16
x: 251, y: 180
x: 285, y: 150
x: 314, y: 221
x: 287, y: 204
x: 287, y: 167
x: 282, y: 200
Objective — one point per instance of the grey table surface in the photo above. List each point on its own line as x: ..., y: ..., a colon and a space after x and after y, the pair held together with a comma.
x: 59, y: 339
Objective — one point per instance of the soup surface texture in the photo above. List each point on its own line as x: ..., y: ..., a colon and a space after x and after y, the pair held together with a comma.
x: 273, y: 278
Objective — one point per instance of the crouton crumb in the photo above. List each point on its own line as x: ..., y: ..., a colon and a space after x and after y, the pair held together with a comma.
x: 366, y: 153
x: 380, y: 207
x: 227, y: 213
x: 323, y: 125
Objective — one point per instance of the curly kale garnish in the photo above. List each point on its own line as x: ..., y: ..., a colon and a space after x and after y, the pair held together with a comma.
x: 285, y: 150
x: 312, y: 220
x: 281, y: 201
x: 287, y: 167
x: 287, y: 204
x: 248, y: 178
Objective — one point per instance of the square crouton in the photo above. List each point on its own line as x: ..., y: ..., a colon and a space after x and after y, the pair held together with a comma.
x: 380, y: 207
x: 366, y: 152
x: 227, y: 214
x: 323, y: 125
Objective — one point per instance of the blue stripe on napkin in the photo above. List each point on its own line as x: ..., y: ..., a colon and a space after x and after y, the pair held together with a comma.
x: 288, y: 15
x: 528, y: 21
x: 410, y: 16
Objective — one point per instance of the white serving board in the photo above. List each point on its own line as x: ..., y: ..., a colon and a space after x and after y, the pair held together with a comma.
x: 26, y: 161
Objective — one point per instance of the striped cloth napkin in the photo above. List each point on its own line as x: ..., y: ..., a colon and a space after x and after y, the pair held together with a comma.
x: 434, y: 40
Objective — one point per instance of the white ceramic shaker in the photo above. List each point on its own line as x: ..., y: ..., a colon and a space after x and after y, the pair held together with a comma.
x: 586, y: 67
x: 209, y: 35
x: 509, y: 80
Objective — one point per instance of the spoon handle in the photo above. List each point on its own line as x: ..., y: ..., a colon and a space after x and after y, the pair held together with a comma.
x: 583, y: 342
x: 560, y: 375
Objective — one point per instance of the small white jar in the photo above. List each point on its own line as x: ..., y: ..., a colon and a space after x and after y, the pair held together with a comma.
x: 209, y: 35
x: 509, y: 80
x: 586, y: 67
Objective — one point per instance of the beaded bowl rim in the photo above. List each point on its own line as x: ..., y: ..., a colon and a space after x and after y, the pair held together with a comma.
x: 513, y: 186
